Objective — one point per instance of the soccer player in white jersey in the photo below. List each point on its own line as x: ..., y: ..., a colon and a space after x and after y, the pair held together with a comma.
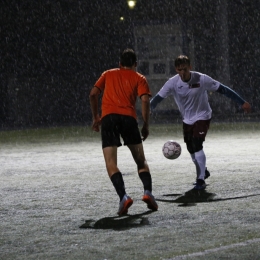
x: 189, y: 89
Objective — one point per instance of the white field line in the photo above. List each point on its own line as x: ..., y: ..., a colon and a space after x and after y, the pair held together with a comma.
x: 217, y: 249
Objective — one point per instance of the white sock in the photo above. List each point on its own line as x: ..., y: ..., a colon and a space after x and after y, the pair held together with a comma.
x: 196, y: 164
x: 201, y: 161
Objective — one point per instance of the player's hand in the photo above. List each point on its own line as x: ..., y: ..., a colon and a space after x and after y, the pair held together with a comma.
x: 145, y: 132
x: 95, y: 125
x: 247, y: 108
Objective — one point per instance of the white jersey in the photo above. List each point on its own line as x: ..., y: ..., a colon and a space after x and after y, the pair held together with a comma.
x: 191, y: 97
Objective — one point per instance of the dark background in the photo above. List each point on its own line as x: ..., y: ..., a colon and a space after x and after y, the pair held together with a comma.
x: 52, y: 52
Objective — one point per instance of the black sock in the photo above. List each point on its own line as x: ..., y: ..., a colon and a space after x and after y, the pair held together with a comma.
x: 146, y: 180
x: 118, y: 182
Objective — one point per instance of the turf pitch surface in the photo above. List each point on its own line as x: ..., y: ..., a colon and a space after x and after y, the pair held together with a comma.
x: 57, y: 201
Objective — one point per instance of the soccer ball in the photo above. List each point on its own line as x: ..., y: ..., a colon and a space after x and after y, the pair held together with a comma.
x: 171, y: 150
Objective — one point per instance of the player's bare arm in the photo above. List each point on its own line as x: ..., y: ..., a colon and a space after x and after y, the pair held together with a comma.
x: 93, y: 97
x: 146, y: 115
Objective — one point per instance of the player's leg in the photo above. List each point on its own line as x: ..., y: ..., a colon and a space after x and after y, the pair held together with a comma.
x: 196, y: 164
x: 110, y: 142
x: 137, y: 152
x: 144, y: 174
x: 194, y: 136
x: 110, y: 156
x: 132, y: 138
x: 188, y: 134
x: 200, y: 131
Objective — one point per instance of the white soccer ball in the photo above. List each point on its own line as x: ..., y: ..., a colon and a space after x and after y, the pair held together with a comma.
x: 171, y: 150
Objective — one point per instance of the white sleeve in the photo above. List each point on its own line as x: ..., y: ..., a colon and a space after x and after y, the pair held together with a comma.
x: 210, y: 83
x: 167, y: 89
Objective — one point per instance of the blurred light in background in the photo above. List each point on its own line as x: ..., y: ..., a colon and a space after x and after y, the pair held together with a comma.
x: 131, y: 3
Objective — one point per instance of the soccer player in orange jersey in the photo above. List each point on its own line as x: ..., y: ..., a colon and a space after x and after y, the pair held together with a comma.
x: 120, y: 88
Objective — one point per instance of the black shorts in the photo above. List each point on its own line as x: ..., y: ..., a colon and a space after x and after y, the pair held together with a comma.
x: 114, y: 125
x: 198, y: 130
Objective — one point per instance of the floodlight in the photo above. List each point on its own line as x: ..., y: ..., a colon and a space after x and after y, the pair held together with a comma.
x: 131, y: 3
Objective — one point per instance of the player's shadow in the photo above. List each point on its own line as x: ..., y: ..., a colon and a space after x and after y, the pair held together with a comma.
x: 119, y: 222
x: 192, y: 197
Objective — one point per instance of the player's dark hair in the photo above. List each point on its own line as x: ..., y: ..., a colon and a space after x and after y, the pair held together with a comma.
x: 181, y: 60
x: 128, y: 58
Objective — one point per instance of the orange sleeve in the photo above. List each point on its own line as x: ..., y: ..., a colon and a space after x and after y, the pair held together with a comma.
x: 101, y: 82
x: 143, y: 87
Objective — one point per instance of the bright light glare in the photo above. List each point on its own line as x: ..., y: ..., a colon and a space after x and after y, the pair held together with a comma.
x: 131, y: 4
x: 122, y: 18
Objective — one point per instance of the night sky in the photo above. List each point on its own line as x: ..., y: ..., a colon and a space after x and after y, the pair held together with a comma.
x: 52, y: 52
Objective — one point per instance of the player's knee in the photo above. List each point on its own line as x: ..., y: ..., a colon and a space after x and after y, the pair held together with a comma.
x: 190, y: 149
x: 195, y: 145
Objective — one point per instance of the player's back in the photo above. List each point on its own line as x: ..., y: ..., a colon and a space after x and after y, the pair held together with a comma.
x: 121, y: 88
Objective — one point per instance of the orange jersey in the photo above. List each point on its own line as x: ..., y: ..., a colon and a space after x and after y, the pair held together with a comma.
x: 121, y: 88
